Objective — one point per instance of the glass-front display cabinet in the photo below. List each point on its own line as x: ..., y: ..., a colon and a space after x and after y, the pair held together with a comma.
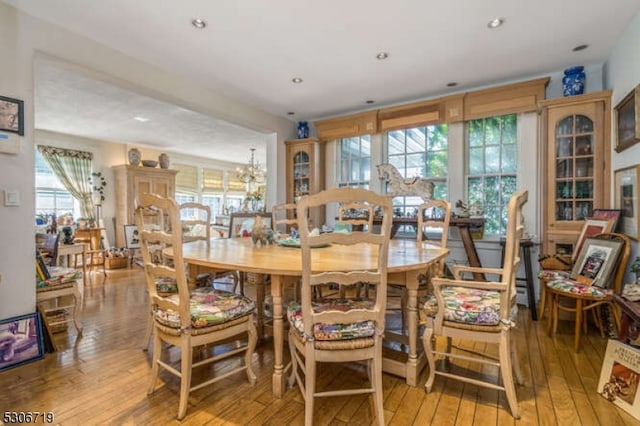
x: 576, y: 132
x: 305, y: 173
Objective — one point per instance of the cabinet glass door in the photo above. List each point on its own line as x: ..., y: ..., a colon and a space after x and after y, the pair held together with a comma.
x: 574, y: 174
x: 301, y: 172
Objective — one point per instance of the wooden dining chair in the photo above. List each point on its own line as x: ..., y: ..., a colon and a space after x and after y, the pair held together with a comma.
x: 356, y: 215
x: 479, y: 312
x: 572, y: 295
x: 283, y: 218
x: 339, y: 330
x: 432, y: 226
x: 557, y: 267
x: 189, y: 319
x: 197, y: 227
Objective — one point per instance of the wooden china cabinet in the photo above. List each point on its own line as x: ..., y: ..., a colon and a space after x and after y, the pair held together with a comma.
x: 305, y: 173
x: 576, y: 156
x: 130, y: 182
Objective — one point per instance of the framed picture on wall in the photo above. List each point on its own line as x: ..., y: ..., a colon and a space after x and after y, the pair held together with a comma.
x: 626, y: 198
x: 11, y: 115
x: 627, y: 120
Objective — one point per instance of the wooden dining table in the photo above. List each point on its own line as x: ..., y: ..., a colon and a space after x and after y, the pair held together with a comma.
x: 407, y: 260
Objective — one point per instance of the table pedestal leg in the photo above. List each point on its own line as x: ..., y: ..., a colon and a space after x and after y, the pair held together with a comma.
x: 278, y: 381
x: 412, y: 311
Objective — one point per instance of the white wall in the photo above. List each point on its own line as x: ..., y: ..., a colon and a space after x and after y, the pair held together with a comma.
x: 21, y: 38
x: 622, y: 74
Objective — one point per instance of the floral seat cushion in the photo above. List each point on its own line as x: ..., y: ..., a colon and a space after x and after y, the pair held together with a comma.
x: 323, y: 331
x: 469, y: 306
x: 553, y: 275
x: 573, y: 287
x: 208, y: 307
x: 166, y: 286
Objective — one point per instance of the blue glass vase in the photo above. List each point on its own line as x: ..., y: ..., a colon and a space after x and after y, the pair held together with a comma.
x: 303, y: 130
x: 573, y: 81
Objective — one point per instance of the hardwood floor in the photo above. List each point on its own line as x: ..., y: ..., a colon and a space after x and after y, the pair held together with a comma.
x: 102, y: 378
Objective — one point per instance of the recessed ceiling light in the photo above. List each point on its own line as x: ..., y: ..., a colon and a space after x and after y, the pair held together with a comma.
x: 291, y: 113
x: 296, y: 80
x: 141, y: 119
x: 452, y: 84
x: 382, y: 56
x: 199, y: 23
x: 495, y: 23
x: 369, y: 101
x: 580, y: 47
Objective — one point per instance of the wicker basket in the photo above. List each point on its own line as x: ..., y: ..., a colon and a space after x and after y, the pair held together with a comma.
x: 55, y: 317
x: 555, y: 262
x: 116, y: 262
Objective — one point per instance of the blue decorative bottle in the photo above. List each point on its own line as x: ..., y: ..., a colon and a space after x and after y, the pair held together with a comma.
x: 573, y: 81
x: 303, y: 130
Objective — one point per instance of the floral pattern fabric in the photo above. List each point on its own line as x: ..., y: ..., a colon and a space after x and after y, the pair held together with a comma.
x: 553, y: 275
x: 469, y: 306
x: 322, y: 331
x: 208, y: 307
x: 59, y: 275
x: 166, y: 286
x: 573, y: 287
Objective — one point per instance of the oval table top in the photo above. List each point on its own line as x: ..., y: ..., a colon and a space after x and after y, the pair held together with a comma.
x: 241, y: 254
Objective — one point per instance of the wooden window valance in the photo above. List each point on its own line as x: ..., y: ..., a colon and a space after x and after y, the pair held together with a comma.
x: 511, y: 98
x: 434, y: 111
x: 364, y: 123
x: 508, y: 99
x: 187, y: 178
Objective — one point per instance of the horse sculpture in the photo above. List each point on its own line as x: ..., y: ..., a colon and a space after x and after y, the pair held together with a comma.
x: 399, y: 186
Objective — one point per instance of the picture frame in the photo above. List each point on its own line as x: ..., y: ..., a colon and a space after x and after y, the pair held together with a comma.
x: 131, y: 237
x: 11, y: 115
x: 596, y: 262
x: 591, y: 228
x: 627, y: 120
x: 240, y: 222
x: 21, y: 340
x: 614, y: 214
x: 627, y: 181
x: 620, y: 376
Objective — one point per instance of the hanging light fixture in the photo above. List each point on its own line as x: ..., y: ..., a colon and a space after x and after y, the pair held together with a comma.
x: 252, y: 172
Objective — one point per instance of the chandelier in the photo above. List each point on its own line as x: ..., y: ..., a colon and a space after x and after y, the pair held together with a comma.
x: 251, y: 172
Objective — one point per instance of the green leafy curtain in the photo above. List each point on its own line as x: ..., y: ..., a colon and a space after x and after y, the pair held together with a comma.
x: 73, y: 169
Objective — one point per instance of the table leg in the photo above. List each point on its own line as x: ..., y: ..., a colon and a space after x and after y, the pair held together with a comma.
x: 77, y: 301
x: 278, y: 381
x: 260, y: 284
x: 412, y: 312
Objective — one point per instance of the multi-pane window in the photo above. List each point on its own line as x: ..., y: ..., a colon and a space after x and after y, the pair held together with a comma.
x: 419, y: 152
x: 51, y: 196
x: 181, y: 198
x: 492, y: 165
x: 355, y: 162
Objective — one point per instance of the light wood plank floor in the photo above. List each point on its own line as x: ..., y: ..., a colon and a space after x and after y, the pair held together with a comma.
x: 102, y: 378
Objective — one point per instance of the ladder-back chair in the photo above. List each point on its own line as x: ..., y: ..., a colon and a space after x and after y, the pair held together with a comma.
x: 331, y: 330
x: 481, y: 312
x: 188, y: 319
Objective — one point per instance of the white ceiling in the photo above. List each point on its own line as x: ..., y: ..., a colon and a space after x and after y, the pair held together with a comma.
x: 251, y: 50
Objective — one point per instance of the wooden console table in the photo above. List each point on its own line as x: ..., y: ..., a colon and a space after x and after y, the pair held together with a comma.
x: 464, y: 225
